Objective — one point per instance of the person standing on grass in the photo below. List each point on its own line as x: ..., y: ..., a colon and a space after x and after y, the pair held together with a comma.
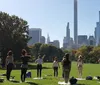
x: 39, y: 62
x: 80, y: 65
x: 9, y: 64
x: 66, y: 65
x: 24, y: 66
x: 55, y: 67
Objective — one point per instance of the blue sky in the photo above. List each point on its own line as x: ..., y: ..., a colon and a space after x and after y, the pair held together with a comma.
x: 52, y: 15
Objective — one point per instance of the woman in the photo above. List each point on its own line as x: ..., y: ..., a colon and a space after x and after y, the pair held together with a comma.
x: 66, y: 66
x: 80, y: 65
x: 24, y: 65
x: 9, y: 64
x: 55, y: 66
x: 39, y: 62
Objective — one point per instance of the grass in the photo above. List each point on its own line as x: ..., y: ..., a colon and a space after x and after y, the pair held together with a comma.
x: 89, y: 69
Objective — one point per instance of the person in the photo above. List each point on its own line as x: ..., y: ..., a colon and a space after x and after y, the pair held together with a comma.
x: 55, y: 66
x: 24, y: 66
x: 9, y: 64
x: 39, y: 62
x: 80, y: 65
x: 66, y: 66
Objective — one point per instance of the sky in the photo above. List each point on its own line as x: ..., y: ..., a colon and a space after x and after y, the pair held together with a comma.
x: 52, y: 15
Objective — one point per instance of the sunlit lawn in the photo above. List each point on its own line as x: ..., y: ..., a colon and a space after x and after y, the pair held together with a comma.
x: 89, y: 69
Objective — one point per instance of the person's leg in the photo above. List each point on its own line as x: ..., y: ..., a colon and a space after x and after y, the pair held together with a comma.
x: 9, y: 69
x: 54, y: 71
x: 7, y: 72
x: 25, y: 70
x: 40, y: 70
x: 37, y: 70
x: 80, y: 71
x: 66, y: 76
x: 22, y: 74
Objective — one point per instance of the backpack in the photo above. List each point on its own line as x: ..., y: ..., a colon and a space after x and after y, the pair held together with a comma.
x: 89, y: 78
x: 73, y: 80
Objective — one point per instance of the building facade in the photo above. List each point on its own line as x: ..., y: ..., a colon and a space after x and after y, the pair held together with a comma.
x: 35, y: 34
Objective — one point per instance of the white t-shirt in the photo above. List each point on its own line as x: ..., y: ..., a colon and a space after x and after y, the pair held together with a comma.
x: 39, y: 61
x: 55, y: 64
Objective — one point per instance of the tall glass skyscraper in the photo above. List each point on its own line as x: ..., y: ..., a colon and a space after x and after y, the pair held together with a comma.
x: 35, y: 34
x: 75, y: 23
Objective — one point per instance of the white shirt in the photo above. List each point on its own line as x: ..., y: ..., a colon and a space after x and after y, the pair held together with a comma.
x: 55, y: 64
x: 39, y: 61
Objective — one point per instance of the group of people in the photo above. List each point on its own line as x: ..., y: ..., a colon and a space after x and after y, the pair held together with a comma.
x: 24, y: 65
x: 66, y: 65
x: 10, y: 64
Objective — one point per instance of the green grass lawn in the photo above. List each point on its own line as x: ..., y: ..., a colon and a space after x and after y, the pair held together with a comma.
x: 89, y: 69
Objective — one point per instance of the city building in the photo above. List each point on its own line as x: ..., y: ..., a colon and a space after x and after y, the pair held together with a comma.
x: 65, y: 43
x: 42, y: 40
x: 97, y: 32
x: 75, y: 23
x: 55, y: 43
x: 35, y: 34
x: 68, y: 34
x: 48, y: 39
x: 82, y: 40
x: 91, y: 41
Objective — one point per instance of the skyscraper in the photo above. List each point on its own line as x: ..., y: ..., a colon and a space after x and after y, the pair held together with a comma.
x: 35, y: 34
x: 75, y: 23
x: 68, y: 33
x: 48, y: 39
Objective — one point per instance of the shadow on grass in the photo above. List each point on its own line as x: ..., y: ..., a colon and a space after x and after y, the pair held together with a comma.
x: 81, y: 84
x: 32, y: 83
x: 18, y: 66
x: 14, y: 81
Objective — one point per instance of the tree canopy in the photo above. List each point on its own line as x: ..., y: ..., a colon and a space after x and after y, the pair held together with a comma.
x: 13, y: 34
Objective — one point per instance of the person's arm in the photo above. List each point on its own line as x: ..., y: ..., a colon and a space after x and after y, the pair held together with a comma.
x: 70, y: 66
x: 58, y: 65
x: 6, y: 62
x: 14, y: 62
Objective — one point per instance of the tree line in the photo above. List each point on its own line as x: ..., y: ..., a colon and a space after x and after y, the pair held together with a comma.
x: 14, y: 35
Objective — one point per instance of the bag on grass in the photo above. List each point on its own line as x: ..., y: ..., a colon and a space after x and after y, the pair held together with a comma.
x: 89, y: 78
x: 73, y: 81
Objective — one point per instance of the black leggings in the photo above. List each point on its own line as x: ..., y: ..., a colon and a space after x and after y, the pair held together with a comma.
x: 9, y: 69
x: 23, y: 74
x: 55, y: 71
x: 39, y: 69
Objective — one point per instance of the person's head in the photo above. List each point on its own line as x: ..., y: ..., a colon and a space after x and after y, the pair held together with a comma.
x: 55, y: 58
x: 24, y: 52
x: 66, y: 56
x: 39, y: 56
x: 10, y: 53
x: 80, y: 57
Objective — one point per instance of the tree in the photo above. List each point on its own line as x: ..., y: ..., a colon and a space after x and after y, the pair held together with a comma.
x: 85, y: 52
x: 35, y: 49
x: 12, y: 34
